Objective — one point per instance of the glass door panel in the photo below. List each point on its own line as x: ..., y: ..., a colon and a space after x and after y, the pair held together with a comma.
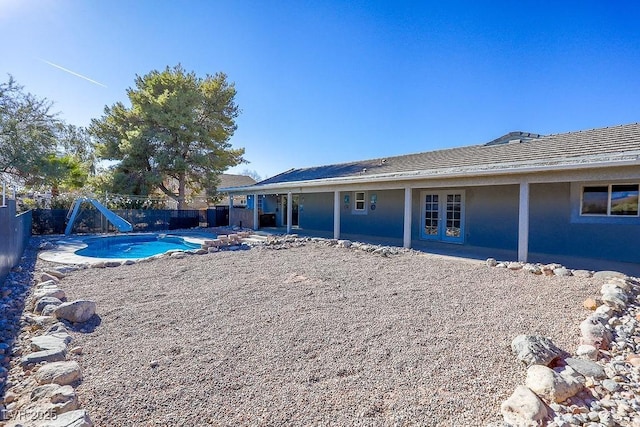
x: 431, y: 215
x: 453, y: 207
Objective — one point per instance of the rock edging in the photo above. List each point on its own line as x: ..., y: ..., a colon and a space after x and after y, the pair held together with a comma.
x: 600, y: 385
x: 40, y: 390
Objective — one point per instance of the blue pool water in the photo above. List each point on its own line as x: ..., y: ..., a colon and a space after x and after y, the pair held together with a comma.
x: 139, y: 246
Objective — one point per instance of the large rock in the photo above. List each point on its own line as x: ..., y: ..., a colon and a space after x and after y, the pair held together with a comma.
x: 49, y: 292
x: 53, y: 355
x: 344, y: 243
x: 76, y: 311
x: 624, y: 284
x: 550, y: 385
x: 45, y: 301
x: 523, y: 409
x: 57, y: 327
x: 48, y: 342
x: 46, y: 277
x: 62, y: 336
x: 587, y: 351
x: 514, y: 266
x: 66, y: 269
x: 46, y: 284
x: 79, y: 418
x: 614, y: 296
x: 608, y: 275
x: 48, y: 311
x: 64, y: 400
x: 586, y: 368
x: 59, y: 399
x: 583, y: 273
x: 62, y: 373
x: 44, y: 391
x: 594, y: 333
x: 605, y: 312
x: 55, y: 273
x: 562, y: 272
x: 535, y: 350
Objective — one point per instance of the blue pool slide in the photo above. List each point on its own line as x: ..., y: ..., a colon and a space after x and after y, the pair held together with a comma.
x: 118, y: 222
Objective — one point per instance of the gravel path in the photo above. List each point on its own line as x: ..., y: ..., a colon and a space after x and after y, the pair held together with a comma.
x: 313, y: 335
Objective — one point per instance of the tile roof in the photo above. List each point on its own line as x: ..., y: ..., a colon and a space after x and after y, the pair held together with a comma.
x: 568, y: 148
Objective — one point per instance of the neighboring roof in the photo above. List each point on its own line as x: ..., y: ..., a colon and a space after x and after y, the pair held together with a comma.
x: 512, y: 151
x: 229, y: 180
x: 514, y: 137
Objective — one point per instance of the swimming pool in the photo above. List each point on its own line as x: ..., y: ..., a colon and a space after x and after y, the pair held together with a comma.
x: 133, y: 246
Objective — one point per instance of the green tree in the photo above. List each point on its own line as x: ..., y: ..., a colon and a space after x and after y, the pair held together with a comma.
x: 28, y: 133
x: 36, y: 148
x: 177, y: 130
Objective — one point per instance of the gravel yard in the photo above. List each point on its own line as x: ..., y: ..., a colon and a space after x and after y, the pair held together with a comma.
x: 313, y: 335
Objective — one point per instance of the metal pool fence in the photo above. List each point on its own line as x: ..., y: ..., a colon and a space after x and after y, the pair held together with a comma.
x: 53, y: 221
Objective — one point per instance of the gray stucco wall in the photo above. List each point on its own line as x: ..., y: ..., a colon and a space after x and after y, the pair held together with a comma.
x: 15, y: 232
x: 315, y: 211
x: 492, y: 216
x: 555, y: 227
x: 386, y: 220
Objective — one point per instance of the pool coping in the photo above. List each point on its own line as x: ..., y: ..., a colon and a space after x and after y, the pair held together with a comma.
x: 64, y: 252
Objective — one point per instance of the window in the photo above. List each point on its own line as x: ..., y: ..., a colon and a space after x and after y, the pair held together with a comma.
x: 359, y: 201
x: 610, y: 200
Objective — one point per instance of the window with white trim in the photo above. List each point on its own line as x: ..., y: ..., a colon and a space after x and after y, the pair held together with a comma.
x: 359, y: 201
x: 610, y: 200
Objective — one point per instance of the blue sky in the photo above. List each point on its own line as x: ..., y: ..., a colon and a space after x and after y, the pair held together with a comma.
x: 333, y: 81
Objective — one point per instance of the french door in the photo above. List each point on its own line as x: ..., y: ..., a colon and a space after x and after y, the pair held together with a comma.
x: 295, y: 215
x: 443, y: 215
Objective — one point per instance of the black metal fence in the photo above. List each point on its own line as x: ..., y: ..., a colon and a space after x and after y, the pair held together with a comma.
x: 89, y: 220
x: 14, y: 236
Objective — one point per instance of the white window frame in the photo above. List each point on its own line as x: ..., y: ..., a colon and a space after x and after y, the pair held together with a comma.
x: 355, y: 209
x: 609, y: 193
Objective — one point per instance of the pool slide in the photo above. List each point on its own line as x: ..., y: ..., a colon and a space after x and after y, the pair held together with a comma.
x: 118, y: 222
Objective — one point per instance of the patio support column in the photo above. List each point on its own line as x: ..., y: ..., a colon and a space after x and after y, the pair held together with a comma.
x: 523, y: 222
x: 255, y: 212
x: 406, y: 238
x: 336, y: 214
x: 289, y: 212
x: 230, y: 208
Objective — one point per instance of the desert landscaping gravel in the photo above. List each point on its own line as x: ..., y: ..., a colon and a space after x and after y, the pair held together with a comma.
x: 313, y: 335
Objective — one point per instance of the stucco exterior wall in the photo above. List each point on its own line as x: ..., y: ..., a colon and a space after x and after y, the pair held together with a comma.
x: 492, y: 216
x: 555, y: 227
x: 385, y: 220
x: 15, y: 231
x: 315, y: 211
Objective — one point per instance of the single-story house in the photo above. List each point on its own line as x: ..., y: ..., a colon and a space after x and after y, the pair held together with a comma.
x: 572, y: 194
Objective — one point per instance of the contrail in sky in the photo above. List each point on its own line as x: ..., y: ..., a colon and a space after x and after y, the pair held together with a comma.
x: 72, y: 72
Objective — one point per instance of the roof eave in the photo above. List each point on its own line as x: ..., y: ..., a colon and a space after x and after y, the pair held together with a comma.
x: 622, y: 159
